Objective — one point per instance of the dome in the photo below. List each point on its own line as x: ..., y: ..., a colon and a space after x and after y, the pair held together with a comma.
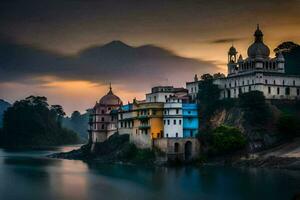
x: 110, y: 99
x: 258, y: 49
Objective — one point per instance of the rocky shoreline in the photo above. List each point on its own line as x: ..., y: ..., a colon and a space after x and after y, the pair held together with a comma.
x: 291, y: 163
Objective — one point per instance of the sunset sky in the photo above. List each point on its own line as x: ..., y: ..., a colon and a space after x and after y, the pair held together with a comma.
x: 202, y: 30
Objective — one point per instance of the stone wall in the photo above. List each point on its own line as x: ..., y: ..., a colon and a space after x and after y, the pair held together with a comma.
x: 183, y: 149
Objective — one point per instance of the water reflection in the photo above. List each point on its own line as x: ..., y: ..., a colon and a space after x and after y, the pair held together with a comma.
x: 29, y: 175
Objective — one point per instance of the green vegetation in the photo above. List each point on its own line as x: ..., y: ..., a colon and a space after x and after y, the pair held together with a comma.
x: 78, y: 123
x: 33, y: 123
x: 208, y: 95
x: 255, y: 107
x: 291, y: 53
x: 223, y: 140
x: 288, y: 125
x: 3, y: 107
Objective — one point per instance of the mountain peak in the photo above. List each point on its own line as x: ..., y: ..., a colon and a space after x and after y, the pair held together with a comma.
x: 117, y: 43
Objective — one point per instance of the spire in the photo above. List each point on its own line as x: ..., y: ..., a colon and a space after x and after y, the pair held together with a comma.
x: 258, y: 34
x: 110, y: 88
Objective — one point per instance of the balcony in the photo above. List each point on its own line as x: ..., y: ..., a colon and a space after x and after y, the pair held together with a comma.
x: 144, y: 126
x: 142, y: 116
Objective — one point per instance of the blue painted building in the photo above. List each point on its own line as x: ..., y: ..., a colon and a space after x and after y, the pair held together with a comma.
x: 190, y: 119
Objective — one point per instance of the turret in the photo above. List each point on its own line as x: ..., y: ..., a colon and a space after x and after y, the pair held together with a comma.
x: 232, y: 60
x: 280, y: 62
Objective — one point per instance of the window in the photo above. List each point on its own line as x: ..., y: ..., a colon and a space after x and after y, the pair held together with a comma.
x: 102, y: 119
x: 180, y: 122
x: 298, y: 91
x: 266, y: 81
x: 167, y: 135
x: 287, y: 91
x: 177, y: 111
x: 294, y: 83
x: 274, y: 82
x: 109, y: 108
x: 164, y: 121
x: 102, y: 126
x: 191, y: 133
x: 121, y: 124
x: 278, y: 90
x: 269, y: 90
x: 283, y: 82
x: 168, y: 122
x: 102, y: 111
x: 174, y: 122
x: 153, y: 112
x: 166, y: 96
x: 249, y: 88
x: 176, y: 134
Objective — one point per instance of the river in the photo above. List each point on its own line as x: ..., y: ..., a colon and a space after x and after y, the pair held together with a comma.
x: 29, y: 175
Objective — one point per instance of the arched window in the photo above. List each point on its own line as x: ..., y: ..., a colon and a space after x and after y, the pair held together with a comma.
x: 102, y: 127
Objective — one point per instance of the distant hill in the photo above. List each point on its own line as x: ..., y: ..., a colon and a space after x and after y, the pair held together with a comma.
x: 3, y: 107
x: 140, y: 66
x: 291, y: 53
x: 77, y: 123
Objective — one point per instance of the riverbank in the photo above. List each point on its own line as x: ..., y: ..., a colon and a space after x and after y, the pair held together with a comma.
x: 117, y: 149
x: 285, y: 156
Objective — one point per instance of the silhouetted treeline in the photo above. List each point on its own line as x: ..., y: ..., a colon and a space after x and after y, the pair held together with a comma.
x: 33, y: 123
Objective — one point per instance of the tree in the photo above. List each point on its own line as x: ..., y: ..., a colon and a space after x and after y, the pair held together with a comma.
x: 30, y: 122
x: 218, y: 75
x: 288, y: 125
x: 205, y: 77
x: 227, y: 139
x: 208, y: 97
x: 254, y: 106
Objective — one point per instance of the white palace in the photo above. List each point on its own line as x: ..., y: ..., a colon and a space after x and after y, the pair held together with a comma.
x: 256, y: 72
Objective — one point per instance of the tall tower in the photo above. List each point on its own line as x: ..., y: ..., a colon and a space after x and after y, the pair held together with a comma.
x: 232, y: 64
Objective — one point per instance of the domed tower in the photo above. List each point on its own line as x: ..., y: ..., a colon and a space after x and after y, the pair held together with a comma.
x: 258, y: 51
x: 232, y: 64
x: 104, y: 118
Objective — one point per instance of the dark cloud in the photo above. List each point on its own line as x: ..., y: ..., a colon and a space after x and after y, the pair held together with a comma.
x: 137, y: 67
x: 225, y: 40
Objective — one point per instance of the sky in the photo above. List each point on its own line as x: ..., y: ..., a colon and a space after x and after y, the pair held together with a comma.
x: 201, y: 31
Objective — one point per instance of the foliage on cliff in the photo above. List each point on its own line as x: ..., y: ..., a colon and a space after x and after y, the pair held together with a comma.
x: 223, y: 140
x: 291, y: 53
x: 33, y: 123
x: 254, y: 105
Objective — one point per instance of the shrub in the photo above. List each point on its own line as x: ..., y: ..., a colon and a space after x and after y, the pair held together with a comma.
x: 226, y: 139
x: 255, y: 107
x: 288, y: 125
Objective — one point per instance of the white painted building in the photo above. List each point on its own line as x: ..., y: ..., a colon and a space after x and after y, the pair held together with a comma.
x: 173, y: 119
x: 257, y: 72
x: 162, y: 93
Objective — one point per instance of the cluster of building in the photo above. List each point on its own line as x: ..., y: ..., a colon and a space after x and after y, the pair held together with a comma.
x: 168, y: 118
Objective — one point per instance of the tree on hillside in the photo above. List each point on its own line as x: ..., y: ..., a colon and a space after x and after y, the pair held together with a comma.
x: 208, y: 97
x: 254, y: 106
x: 31, y: 122
x: 291, y: 54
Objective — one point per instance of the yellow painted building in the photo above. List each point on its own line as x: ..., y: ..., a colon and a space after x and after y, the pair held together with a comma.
x: 148, y: 123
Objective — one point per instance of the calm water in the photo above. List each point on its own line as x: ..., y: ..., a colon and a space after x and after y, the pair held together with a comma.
x: 29, y: 175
